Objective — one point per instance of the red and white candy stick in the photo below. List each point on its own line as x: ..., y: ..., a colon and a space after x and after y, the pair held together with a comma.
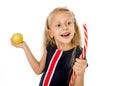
x: 83, y: 53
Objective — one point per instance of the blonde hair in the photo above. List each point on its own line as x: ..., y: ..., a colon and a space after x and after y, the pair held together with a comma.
x: 77, y: 39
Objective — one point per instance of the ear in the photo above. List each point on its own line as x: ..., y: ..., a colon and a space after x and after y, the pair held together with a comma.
x: 50, y: 33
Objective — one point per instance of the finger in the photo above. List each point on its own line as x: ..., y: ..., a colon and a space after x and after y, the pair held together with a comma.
x: 77, y: 70
x: 80, y: 63
x: 77, y: 65
x: 78, y: 60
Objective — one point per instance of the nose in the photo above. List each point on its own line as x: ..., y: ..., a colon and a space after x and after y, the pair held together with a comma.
x: 64, y: 27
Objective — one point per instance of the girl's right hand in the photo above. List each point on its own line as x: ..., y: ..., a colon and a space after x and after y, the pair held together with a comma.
x: 21, y: 45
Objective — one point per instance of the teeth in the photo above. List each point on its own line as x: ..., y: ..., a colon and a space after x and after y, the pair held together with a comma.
x: 66, y: 34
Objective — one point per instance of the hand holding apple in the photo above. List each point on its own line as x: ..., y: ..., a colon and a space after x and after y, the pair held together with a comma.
x: 17, y: 38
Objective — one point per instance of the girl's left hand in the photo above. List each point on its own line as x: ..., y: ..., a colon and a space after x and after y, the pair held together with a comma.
x: 79, y: 66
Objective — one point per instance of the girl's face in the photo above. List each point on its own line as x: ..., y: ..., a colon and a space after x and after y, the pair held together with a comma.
x: 62, y: 28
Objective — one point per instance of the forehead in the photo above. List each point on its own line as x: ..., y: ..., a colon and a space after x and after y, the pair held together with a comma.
x: 60, y: 15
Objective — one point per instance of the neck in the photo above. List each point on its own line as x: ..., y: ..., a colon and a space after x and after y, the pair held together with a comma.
x: 64, y: 47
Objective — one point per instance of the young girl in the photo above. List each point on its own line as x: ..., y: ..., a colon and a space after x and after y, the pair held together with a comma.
x: 61, y: 33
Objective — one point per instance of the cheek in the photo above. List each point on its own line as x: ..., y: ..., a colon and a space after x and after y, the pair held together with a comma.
x: 73, y: 30
x: 50, y: 33
x: 73, y: 34
x: 55, y: 33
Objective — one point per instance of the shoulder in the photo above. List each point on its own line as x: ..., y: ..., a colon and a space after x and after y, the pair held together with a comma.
x: 51, y: 47
x: 79, y: 50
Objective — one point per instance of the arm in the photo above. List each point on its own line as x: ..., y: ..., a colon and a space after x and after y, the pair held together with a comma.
x: 37, y: 66
x: 79, y: 80
x: 79, y: 68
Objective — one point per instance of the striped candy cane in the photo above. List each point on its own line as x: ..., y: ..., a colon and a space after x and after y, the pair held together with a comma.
x: 83, y: 52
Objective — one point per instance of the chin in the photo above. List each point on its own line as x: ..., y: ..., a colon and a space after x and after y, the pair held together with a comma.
x: 66, y: 42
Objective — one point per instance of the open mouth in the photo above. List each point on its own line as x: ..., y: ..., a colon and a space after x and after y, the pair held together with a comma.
x: 65, y: 34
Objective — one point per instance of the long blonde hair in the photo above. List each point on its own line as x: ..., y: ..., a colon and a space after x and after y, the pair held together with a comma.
x: 77, y: 39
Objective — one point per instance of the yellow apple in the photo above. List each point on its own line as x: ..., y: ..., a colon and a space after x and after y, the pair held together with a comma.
x: 17, y: 38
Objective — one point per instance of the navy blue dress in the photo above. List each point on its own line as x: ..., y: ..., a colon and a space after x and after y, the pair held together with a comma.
x: 63, y: 69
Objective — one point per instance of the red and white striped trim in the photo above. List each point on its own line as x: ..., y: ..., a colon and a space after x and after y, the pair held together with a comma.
x: 52, y: 67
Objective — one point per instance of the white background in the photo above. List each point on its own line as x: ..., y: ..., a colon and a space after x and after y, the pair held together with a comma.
x: 28, y: 17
